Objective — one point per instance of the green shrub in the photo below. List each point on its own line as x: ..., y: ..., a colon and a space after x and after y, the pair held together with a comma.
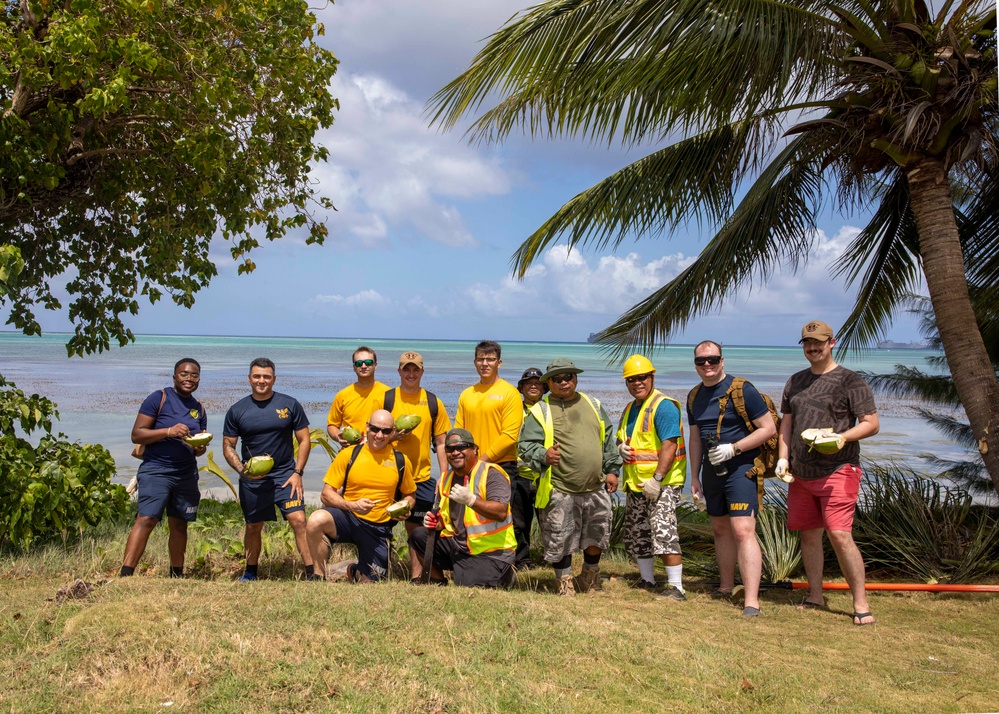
x: 59, y: 488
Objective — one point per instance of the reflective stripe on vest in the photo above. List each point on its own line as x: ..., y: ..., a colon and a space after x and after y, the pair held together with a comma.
x: 482, y: 535
x: 544, y: 416
x: 647, y: 444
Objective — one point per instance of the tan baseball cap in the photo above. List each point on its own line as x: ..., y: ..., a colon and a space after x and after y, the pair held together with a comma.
x: 816, y: 330
x: 411, y: 358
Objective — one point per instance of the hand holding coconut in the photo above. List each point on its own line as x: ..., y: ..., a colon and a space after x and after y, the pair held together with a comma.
x: 825, y: 441
x: 781, y: 471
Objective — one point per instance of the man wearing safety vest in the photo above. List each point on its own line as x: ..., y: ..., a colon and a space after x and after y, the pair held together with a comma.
x: 476, y: 538
x: 567, y: 439
x: 650, y: 441
x: 525, y: 487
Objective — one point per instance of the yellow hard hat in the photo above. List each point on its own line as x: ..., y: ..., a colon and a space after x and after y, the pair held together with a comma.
x: 636, y: 364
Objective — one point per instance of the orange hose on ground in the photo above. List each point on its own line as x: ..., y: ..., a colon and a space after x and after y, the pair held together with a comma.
x: 920, y: 587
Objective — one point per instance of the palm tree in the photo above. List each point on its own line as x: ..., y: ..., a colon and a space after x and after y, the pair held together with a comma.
x: 880, y: 106
x: 909, y: 382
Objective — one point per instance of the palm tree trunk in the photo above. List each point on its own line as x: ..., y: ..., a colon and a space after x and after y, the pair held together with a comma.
x: 943, y: 266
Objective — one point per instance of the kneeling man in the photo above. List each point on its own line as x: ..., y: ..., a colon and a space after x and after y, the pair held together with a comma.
x: 371, y: 476
x: 476, y: 538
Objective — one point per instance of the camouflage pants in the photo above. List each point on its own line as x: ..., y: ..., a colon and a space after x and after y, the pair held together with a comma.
x: 650, y: 528
x: 575, y: 521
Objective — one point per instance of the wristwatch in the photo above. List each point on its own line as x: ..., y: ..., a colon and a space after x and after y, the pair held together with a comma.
x: 300, y: 472
x: 737, y: 449
x: 658, y: 478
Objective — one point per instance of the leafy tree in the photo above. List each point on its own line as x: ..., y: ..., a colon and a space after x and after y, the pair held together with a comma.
x: 939, y: 389
x: 55, y: 489
x: 900, y: 109
x: 133, y: 131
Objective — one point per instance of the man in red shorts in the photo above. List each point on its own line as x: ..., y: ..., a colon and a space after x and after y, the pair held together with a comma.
x: 823, y: 496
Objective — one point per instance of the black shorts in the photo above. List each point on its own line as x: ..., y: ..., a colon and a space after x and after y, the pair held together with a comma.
x: 425, y: 491
x: 487, y: 570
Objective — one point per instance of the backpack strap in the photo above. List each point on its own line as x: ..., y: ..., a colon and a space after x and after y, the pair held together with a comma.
x: 162, y: 402
x: 434, y: 411
x: 739, y: 402
x: 389, y: 400
x: 400, y: 465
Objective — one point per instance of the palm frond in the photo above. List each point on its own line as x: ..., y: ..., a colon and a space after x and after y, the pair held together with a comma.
x: 772, y: 227
x: 594, y: 67
x: 969, y: 474
x: 887, y: 252
x: 691, y: 179
x: 953, y: 428
x: 909, y: 382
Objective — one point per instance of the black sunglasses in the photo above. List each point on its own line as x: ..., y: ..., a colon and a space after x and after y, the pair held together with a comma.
x: 380, y: 429
x: 637, y: 378
x: 562, y: 378
x: 451, y: 448
x: 710, y: 359
x: 363, y: 362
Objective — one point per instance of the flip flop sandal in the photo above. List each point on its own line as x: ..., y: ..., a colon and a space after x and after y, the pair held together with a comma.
x: 860, y: 616
x: 809, y: 605
x: 751, y: 611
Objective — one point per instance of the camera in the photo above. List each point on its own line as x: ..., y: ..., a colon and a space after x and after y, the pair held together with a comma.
x: 710, y: 442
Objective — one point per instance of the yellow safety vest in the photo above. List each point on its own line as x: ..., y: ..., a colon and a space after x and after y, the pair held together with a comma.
x: 523, y: 469
x: 482, y: 534
x: 544, y: 416
x: 646, y: 444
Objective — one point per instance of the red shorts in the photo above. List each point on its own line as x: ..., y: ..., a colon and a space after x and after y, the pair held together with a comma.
x: 825, y: 502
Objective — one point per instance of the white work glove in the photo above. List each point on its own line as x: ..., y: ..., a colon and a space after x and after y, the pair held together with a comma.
x: 627, y: 453
x: 721, y: 453
x: 462, y: 494
x: 652, y: 488
x: 781, y: 471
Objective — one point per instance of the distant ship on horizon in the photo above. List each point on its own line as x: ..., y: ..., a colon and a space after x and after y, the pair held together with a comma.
x: 890, y: 345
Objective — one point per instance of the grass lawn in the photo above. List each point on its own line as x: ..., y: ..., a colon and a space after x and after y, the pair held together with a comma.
x: 148, y: 643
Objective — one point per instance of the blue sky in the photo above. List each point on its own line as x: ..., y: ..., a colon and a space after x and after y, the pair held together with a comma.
x: 426, y: 224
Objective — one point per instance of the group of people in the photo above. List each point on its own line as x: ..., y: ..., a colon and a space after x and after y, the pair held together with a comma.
x: 542, y: 449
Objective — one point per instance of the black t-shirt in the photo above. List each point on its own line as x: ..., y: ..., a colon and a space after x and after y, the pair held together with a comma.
x: 834, y: 400
x: 173, y: 452
x: 267, y: 427
x: 705, y: 416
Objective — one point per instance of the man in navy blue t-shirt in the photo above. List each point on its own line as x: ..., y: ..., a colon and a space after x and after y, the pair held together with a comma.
x: 265, y: 422
x: 731, y: 499
x: 168, y: 475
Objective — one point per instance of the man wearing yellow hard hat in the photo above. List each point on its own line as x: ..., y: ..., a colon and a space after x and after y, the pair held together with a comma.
x: 650, y: 441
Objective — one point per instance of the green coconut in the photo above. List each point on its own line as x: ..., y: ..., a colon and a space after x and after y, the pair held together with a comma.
x: 407, y: 422
x: 196, y: 440
x: 258, y: 466
x: 398, y: 509
x: 351, y: 435
x: 825, y: 441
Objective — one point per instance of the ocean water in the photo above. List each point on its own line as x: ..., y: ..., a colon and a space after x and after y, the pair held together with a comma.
x: 98, y: 396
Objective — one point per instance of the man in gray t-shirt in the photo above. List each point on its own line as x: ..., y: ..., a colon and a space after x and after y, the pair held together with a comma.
x: 823, y: 496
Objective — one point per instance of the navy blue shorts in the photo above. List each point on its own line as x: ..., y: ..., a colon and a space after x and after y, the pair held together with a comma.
x: 425, y: 491
x: 258, y: 498
x: 371, y: 539
x: 163, y: 488
x: 733, y: 495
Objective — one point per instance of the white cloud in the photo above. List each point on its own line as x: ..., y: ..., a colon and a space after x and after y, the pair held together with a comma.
x: 362, y: 299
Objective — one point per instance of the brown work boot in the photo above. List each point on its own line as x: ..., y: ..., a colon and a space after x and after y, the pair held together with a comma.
x: 588, y: 580
x: 565, y: 586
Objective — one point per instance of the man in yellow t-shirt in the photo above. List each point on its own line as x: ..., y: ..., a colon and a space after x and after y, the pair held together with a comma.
x: 372, y: 475
x: 493, y: 412
x: 416, y: 444
x: 353, y: 404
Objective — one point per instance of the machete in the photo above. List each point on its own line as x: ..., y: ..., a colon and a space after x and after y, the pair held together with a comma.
x: 428, y: 551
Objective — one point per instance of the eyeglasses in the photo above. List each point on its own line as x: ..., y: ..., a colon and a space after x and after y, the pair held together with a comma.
x: 380, y: 429
x: 637, y: 378
x: 486, y: 360
x: 363, y: 362
x: 710, y: 359
x: 562, y: 378
x: 451, y: 448
x: 194, y: 376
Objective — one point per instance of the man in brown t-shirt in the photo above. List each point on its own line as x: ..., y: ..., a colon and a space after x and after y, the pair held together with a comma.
x: 823, y: 495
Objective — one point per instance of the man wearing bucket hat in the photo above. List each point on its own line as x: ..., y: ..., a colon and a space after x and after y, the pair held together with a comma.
x: 823, y: 496
x: 525, y: 486
x: 476, y: 530
x: 567, y: 440
x: 650, y: 441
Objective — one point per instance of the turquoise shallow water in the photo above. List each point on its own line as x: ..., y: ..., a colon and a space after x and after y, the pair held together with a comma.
x: 98, y: 396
